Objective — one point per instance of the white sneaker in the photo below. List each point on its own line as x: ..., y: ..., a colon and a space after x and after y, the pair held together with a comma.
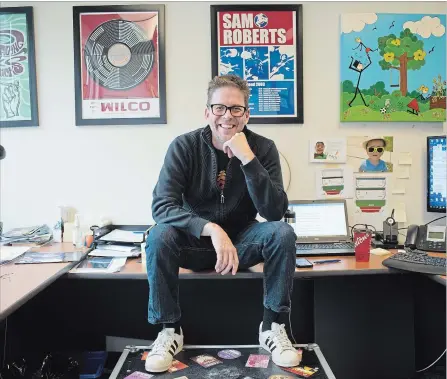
x: 278, y: 344
x: 167, y: 344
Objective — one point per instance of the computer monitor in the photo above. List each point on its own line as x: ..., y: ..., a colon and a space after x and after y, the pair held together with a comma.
x: 436, y: 174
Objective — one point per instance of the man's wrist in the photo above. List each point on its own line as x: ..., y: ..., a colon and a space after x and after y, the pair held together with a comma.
x: 209, y: 228
x: 247, y: 159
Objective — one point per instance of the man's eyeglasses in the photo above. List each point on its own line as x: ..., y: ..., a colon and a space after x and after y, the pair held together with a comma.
x: 377, y: 149
x: 220, y: 110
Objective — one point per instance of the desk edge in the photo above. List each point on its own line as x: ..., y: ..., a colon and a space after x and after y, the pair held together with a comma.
x: 36, y: 291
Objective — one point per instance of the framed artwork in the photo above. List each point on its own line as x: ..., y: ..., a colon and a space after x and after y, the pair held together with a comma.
x: 393, y: 67
x: 18, y: 90
x: 264, y: 45
x: 119, y: 58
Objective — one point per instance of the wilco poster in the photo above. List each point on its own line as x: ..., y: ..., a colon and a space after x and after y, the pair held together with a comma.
x: 263, y: 45
x: 119, y: 67
x: 18, y: 93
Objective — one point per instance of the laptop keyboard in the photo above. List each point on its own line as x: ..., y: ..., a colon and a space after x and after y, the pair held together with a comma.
x: 310, y: 246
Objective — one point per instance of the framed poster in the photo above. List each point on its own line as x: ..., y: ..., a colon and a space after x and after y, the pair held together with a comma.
x: 119, y: 64
x: 18, y: 90
x: 264, y: 45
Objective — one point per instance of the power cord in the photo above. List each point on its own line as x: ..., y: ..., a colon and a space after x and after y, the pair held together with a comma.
x: 288, y: 168
x: 290, y: 319
x: 436, y: 219
x: 434, y: 361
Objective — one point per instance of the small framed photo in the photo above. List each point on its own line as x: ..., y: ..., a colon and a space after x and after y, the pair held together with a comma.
x: 18, y: 89
x: 262, y: 44
x: 119, y: 63
x: 327, y: 150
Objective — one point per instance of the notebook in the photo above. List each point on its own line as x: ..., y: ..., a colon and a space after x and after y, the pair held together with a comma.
x: 321, y: 227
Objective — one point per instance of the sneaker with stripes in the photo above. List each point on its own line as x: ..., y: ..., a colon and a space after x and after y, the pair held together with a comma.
x: 278, y: 344
x: 167, y: 344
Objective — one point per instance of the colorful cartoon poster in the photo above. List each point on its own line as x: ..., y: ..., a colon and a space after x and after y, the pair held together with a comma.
x: 334, y: 183
x: 393, y: 67
x: 327, y: 150
x: 370, y: 154
x: 119, y: 65
x: 263, y: 45
x: 18, y: 94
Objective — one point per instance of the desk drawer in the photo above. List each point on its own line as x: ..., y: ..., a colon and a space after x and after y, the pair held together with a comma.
x: 132, y: 360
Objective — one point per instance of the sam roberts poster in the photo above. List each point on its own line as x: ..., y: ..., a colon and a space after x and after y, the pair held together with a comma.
x: 263, y: 45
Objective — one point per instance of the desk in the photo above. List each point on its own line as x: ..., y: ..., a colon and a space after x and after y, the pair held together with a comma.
x: 19, y: 283
x: 134, y: 269
x: 356, y: 312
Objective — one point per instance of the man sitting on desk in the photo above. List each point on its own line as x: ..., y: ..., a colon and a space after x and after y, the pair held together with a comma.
x: 213, y: 183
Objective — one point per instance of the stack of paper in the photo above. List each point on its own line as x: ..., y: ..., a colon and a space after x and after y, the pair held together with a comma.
x: 119, y: 235
x: 39, y: 234
x: 115, y: 250
x: 9, y: 253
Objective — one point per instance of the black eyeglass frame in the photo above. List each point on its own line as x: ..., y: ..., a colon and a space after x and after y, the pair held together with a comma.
x: 211, y: 106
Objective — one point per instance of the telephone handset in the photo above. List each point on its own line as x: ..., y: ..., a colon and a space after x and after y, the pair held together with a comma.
x: 426, y: 238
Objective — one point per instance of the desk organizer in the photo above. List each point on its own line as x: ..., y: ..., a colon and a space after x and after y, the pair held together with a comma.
x: 99, y: 232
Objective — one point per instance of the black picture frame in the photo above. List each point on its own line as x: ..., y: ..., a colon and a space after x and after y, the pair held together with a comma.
x: 23, y: 51
x: 298, y: 115
x: 158, y: 47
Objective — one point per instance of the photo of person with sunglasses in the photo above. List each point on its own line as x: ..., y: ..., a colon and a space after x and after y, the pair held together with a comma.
x: 375, y: 147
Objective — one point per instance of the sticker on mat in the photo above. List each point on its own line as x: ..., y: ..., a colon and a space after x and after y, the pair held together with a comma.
x: 222, y: 372
x: 139, y: 375
x: 206, y: 360
x: 229, y: 354
x: 144, y: 355
x: 177, y: 366
x: 304, y: 371
x: 255, y: 360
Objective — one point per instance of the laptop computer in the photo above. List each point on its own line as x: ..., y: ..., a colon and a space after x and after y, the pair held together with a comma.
x: 321, y: 227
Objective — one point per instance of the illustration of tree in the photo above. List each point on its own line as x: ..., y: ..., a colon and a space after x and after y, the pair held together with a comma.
x: 402, y: 54
x: 377, y: 89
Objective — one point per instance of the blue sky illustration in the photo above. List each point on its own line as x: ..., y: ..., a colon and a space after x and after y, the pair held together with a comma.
x: 369, y: 27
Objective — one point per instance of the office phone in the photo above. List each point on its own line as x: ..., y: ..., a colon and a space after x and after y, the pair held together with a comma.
x: 426, y: 238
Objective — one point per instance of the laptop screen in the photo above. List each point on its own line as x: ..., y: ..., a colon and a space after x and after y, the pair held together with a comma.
x: 320, y: 219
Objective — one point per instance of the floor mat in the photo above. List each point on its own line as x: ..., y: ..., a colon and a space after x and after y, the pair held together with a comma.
x: 223, y: 362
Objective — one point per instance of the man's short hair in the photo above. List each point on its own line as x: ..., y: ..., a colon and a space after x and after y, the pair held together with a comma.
x: 320, y: 142
x: 229, y: 81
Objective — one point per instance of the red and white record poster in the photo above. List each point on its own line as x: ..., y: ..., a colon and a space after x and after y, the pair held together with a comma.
x: 119, y: 65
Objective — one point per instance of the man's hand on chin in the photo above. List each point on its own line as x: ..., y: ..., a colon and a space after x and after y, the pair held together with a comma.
x: 238, y: 147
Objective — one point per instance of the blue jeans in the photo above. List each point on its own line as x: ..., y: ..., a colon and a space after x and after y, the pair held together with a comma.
x: 168, y: 248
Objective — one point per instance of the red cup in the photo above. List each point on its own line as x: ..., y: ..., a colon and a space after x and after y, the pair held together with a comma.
x: 362, y: 244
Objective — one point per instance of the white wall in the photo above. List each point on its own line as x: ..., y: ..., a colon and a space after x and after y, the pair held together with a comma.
x: 111, y: 170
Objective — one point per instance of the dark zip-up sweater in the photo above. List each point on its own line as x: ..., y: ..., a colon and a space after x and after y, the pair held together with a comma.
x: 187, y: 195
